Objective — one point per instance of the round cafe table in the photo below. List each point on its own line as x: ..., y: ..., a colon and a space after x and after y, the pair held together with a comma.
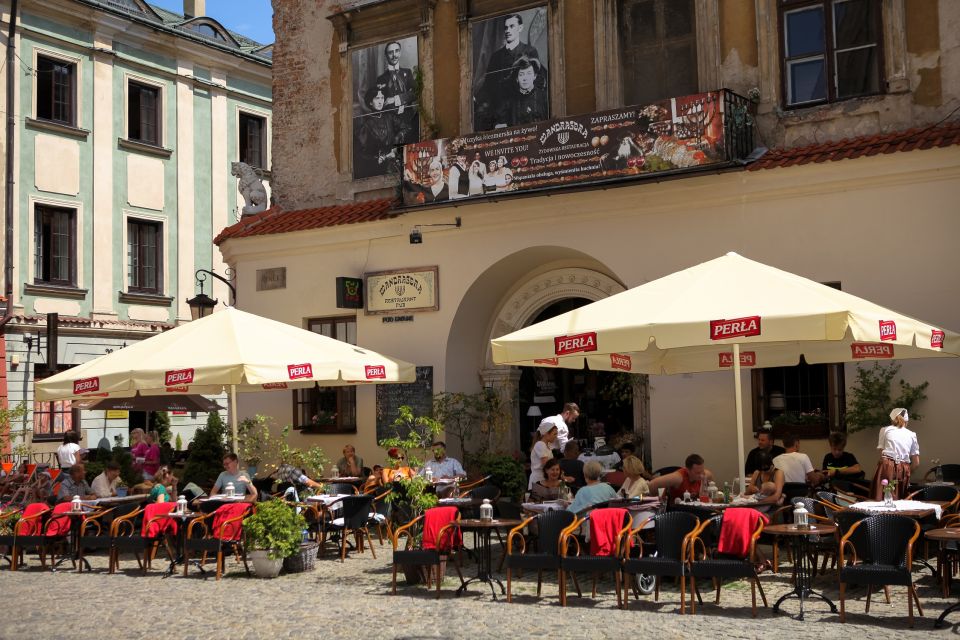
x: 803, y: 566
x: 482, y: 549
x: 184, y: 520
x: 941, y: 536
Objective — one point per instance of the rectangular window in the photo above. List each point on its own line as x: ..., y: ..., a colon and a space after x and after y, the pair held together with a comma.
x: 328, y: 409
x: 143, y: 113
x: 658, y: 44
x: 56, y: 90
x: 253, y: 140
x: 54, y: 234
x: 144, y: 256
x: 806, y: 400
x: 831, y: 50
x: 52, y: 419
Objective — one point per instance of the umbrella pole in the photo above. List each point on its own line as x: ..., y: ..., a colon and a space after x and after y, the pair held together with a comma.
x: 739, y: 405
x: 233, y: 415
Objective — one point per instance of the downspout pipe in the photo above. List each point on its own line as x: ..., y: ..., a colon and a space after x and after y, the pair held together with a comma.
x: 8, y: 200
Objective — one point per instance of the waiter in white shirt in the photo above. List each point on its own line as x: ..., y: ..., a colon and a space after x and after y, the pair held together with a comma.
x: 562, y: 421
x: 899, y: 454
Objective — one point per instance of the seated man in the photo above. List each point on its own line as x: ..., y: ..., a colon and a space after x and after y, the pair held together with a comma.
x: 350, y: 465
x: 442, y: 467
x: 692, y: 477
x: 796, y: 466
x: 75, y: 484
x: 840, y: 464
x: 232, y: 473
x: 105, y: 484
x: 594, y: 492
x: 571, y: 466
x: 766, y: 445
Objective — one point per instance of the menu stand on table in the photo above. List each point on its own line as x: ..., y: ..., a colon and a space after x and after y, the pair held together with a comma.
x: 803, y: 566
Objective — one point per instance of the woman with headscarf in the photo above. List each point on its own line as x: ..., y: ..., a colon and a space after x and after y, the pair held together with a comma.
x: 899, y: 455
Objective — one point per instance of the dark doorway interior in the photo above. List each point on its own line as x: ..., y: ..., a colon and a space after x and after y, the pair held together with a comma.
x: 549, y: 389
x: 138, y: 420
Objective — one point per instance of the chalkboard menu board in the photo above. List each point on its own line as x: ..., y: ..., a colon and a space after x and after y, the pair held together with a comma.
x: 390, y: 397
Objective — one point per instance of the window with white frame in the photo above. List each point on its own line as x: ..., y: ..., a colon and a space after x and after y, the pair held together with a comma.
x: 56, y: 86
x: 143, y: 113
x: 831, y: 50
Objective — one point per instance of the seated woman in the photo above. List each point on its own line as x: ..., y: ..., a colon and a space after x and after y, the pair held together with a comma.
x: 634, y: 484
x: 767, y: 481
x: 547, y: 488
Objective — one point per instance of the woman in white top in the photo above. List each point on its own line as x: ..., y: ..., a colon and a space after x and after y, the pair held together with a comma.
x: 541, y: 452
x: 899, y: 454
x: 68, y: 452
x: 633, y: 485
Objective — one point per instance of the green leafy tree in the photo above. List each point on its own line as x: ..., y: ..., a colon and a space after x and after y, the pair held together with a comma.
x: 412, y: 435
x: 207, y: 450
x: 253, y: 440
x: 178, y: 443
x: 8, y: 416
x: 275, y: 526
x: 476, y: 421
x: 871, y: 397
x: 313, y: 460
x: 506, y: 473
x: 160, y: 422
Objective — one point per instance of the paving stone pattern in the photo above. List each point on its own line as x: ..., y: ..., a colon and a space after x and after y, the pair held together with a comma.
x: 352, y: 600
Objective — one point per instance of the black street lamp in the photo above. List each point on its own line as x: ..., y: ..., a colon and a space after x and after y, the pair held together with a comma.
x: 202, y: 305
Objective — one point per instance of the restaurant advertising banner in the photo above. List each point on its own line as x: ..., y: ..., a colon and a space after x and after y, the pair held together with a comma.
x: 679, y: 133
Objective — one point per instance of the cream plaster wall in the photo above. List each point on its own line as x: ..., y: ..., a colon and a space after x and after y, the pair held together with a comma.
x: 57, y: 164
x: 829, y: 222
x: 219, y: 162
x: 104, y: 139
x: 186, y: 263
x: 145, y: 182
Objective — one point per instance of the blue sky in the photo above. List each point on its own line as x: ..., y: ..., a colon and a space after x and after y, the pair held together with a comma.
x: 252, y: 18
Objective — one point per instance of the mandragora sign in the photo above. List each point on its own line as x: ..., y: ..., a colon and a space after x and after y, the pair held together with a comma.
x: 401, y: 291
x: 671, y: 135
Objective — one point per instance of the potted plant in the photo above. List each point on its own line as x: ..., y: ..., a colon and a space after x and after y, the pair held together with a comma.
x: 253, y: 442
x: 273, y: 533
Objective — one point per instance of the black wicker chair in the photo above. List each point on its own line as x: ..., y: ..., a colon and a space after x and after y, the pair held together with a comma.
x: 546, y: 557
x: 354, y: 518
x: 206, y: 535
x: 594, y: 564
x: 793, y: 490
x: 702, y: 513
x: 662, y: 471
x: 342, y: 488
x: 950, y: 495
x: 712, y: 564
x: 889, y: 540
x: 671, y: 557
x: 95, y: 530
x: 446, y: 546
x: 951, y: 473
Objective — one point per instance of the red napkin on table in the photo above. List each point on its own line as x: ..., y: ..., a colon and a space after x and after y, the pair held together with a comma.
x: 736, y: 530
x: 605, y: 524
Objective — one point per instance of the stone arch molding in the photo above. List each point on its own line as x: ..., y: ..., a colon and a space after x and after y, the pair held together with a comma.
x: 537, y: 293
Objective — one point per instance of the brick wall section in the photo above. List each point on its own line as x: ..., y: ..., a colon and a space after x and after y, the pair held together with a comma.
x: 304, y: 120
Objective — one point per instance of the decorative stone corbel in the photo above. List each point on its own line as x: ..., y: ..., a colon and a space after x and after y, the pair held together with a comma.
x: 426, y: 16
x: 341, y: 24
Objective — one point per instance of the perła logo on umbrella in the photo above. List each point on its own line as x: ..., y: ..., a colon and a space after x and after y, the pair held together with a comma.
x: 299, y: 371
x: 734, y: 328
x: 563, y: 345
x: 86, y: 385
x: 888, y: 330
x: 375, y: 371
x: 864, y: 350
x: 177, y: 377
x: 936, y: 339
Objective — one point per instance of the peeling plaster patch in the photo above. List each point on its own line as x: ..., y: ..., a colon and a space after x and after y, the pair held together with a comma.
x: 929, y: 91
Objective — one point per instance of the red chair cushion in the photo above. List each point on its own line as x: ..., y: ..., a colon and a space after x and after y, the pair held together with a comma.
x: 59, y: 524
x: 158, y: 527
x: 436, y: 519
x: 227, y: 512
x: 34, y: 526
x: 736, y: 530
x: 605, y: 524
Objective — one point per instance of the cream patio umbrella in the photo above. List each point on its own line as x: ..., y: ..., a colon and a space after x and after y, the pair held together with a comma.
x: 723, y: 314
x: 231, y: 351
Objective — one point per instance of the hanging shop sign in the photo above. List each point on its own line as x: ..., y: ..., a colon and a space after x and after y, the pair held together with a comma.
x: 401, y: 292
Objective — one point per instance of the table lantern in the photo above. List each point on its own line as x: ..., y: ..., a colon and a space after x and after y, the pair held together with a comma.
x: 75, y: 504
x: 182, y: 504
x: 231, y: 490
x: 801, y: 517
x: 486, y: 510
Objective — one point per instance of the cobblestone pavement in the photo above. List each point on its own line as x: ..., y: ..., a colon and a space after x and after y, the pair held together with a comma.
x: 352, y: 600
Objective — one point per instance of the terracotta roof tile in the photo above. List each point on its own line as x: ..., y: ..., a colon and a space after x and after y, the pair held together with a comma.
x: 943, y: 135
x: 275, y: 220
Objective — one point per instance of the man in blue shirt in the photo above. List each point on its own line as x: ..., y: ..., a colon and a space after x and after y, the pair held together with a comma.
x: 594, y: 492
x: 231, y: 474
x: 442, y: 467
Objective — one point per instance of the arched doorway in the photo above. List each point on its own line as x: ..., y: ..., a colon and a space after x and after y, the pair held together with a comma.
x: 605, y: 398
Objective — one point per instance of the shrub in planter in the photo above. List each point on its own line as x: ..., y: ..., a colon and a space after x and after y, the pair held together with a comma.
x: 275, y: 527
x: 507, y: 474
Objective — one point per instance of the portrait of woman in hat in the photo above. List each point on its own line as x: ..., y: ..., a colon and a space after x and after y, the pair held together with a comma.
x: 525, y: 99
